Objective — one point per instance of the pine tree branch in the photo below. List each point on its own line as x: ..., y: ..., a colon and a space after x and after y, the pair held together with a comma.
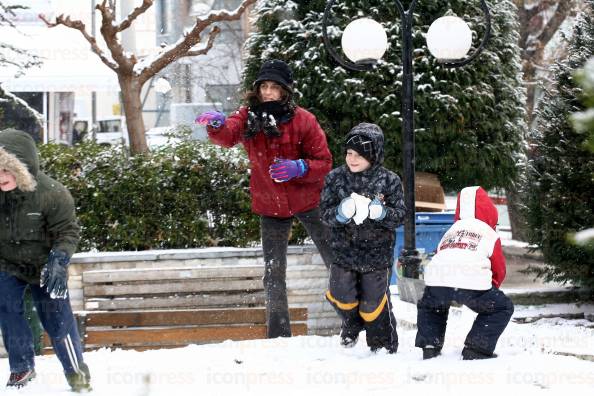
x: 125, y: 24
x: 21, y: 104
x: 192, y: 38
x: 80, y: 26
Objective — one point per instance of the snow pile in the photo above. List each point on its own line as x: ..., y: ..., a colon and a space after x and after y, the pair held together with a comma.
x: 530, y: 360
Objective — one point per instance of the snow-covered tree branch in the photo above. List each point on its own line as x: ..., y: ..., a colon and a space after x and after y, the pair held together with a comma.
x: 192, y: 38
x: 133, y: 72
x: 9, y: 54
x: 80, y: 26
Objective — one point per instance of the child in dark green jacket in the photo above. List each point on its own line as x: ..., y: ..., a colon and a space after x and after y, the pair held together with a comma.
x: 39, y: 233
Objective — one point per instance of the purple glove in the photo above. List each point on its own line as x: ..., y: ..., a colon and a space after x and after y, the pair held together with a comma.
x: 283, y: 170
x: 214, y: 119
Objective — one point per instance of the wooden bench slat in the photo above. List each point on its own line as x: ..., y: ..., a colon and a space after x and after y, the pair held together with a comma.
x: 180, y: 336
x: 143, y: 274
x: 230, y: 300
x: 186, y: 317
x: 174, y: 287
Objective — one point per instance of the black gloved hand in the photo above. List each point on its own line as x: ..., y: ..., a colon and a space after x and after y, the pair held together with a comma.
x: 54, y: 274
x: 269, y: 125
x: 254, y: 125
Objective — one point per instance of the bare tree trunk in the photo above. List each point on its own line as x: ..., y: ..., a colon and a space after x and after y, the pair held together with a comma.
x: 517, y: 221
x: 539, y: 20
x: 531, y: 82
x: 133, y: 110
x: 134, y: 72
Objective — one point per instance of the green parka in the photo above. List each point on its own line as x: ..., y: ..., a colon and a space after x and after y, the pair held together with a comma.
x: 35, y: 217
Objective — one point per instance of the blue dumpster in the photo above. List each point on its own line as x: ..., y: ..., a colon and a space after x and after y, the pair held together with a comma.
x: 429, y: 229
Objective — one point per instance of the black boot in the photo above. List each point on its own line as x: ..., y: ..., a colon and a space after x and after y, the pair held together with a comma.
x: 352, y: 324
x: 381, y: 332
x: 18, y: 380
x: 473, y: 354
x: 431, y: 352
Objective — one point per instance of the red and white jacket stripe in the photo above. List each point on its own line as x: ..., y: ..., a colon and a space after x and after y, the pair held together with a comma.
x: 469, y: 255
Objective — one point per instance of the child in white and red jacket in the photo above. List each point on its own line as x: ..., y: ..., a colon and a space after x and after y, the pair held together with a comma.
x: 468, y: 268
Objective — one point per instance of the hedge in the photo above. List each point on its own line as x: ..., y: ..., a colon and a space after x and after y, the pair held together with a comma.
x: 184, y: 195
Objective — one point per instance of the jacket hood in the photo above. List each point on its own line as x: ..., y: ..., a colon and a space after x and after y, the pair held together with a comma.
x: 474, y: 203
x: 373, y: 133
x: 18, y: 155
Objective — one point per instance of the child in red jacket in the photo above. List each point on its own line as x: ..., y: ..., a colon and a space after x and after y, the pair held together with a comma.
x: 468, y: 268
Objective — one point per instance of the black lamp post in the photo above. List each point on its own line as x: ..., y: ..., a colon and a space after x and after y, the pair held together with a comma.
x: 449, y: 39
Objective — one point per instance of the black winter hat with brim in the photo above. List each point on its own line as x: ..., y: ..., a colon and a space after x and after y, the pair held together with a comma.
x: 278, y: 71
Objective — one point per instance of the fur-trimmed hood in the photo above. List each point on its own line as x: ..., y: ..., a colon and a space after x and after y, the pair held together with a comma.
x: 18, y: 155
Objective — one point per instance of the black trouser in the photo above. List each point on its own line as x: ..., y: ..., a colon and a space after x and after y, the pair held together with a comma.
x: 275, y: 238
x: 494, y: 312
x: 362, y: 300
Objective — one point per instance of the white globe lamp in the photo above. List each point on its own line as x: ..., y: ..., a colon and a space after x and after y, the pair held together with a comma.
x: 449, y: 38
x: 364, y: 40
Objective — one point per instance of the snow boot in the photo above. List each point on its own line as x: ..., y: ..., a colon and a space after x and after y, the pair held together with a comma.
x: 80, y: 381
x: 390, y: 348
x: 381, y: 332
x: 352, y: 324
x: 473, y: 354
x: 348, y: 341
x: 430, y: 352
x: 18, y: 380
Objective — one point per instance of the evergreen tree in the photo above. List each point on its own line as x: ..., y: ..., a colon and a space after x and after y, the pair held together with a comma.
x: 560, y: 174
x: 469, y: 121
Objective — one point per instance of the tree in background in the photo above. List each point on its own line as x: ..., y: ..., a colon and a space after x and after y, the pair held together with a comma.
x: 469, y: 121
x: 560, y: 183
x: 133, y: 72
x: 540, y: 20
x: 540, y: 23
x: 10, y: 56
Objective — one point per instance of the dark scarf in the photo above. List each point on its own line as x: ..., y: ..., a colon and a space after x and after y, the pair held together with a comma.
x: 267, y: 116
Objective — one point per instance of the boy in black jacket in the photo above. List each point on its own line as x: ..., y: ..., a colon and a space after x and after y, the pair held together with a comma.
x: 362, y: 203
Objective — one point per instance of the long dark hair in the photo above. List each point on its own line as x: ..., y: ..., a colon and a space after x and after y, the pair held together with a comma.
x: 252, y: 97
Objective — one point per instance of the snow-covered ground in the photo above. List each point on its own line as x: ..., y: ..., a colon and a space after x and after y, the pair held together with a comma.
x: 530, y: 360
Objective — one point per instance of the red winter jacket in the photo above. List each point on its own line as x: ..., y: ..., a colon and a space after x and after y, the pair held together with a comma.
x: 301, y: 138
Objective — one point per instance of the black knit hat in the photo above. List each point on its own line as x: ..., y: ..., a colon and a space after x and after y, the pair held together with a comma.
x: 362, y: 144
x: 278, y: 71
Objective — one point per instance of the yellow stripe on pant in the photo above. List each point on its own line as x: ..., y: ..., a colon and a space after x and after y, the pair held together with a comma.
x: 371, y: 316
x: 340, y: 305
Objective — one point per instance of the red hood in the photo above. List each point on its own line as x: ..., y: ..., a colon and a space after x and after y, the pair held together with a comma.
x: 474, y: 203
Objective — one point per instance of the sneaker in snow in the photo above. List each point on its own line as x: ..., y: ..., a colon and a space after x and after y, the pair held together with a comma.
x: 80, y: 381
x: 18, y: 380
